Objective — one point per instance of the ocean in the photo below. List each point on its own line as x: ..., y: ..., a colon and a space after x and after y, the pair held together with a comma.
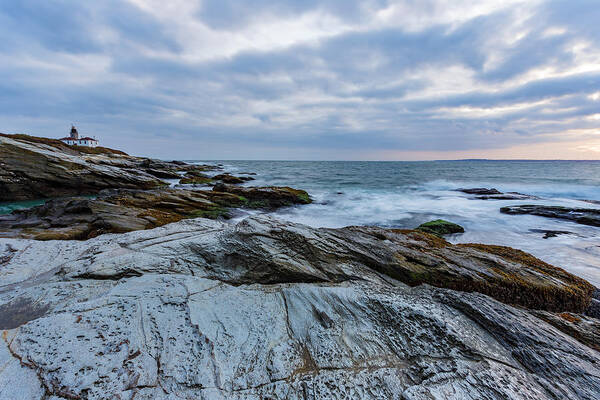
x: 406, y: 194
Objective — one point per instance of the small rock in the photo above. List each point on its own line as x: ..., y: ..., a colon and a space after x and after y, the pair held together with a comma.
x: 195, y: 178
x: 227, y: 178
x: 507, y: 196
x: 549, y: 233
x: 584, y: 216
x: 440, y: 227
x: 479, y: 191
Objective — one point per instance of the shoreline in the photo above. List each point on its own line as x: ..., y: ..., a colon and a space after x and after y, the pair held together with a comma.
x: 163, y: 295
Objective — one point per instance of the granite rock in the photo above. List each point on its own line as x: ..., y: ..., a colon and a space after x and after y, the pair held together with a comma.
x: 267, y: 309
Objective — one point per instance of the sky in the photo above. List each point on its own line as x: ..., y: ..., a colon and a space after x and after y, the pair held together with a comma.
x: 307, y: 79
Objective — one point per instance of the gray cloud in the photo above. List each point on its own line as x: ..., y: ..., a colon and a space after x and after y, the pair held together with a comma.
x: 331, y: 76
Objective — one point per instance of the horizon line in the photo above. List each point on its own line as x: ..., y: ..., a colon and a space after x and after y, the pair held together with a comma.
x: 435, y: 160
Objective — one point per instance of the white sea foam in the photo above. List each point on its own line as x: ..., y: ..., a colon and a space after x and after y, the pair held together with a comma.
x: 405, y: 195
x: 577, y: 252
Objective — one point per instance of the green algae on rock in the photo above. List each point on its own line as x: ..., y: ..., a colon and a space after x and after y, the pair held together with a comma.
x: 506, y: 274
x: 195, y: 180
x: 440, y: 227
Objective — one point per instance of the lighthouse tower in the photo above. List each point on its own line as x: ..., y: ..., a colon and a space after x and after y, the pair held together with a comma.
x: 74, y: 140
x: 74, y: 133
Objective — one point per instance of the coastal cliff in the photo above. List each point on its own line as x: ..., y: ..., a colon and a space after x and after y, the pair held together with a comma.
x: 35, y: 168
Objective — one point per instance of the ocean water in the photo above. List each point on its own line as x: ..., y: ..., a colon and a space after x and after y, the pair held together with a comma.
x: 7, y: 208
x: 406, y: 194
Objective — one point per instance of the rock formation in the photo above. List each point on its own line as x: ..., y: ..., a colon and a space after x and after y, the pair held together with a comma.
x: 584, y: 216
x: 440, y: 227
x: 480, y: 191
x: 228, y: 178
x: 495, y: 194
x: 195, y: 178
x: 34, y: 168
x: 266, y: 309
x: 267, y: 197
x: 118, y: 211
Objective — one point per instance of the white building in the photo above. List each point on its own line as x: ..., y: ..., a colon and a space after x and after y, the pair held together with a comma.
x: 74, y: 140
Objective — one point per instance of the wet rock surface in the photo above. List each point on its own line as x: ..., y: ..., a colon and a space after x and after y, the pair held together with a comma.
x: 230, y: 179
x: 584, y: 216
x: 479, y: 191
x: 269, y: 197
x: 594, y: 308
x: 267, y: 309
x: 119, y: 211
x: 195, y: 178
x: 35, y: 168
x: 508, y: 196
x: 495, y: 194
x: 592, y: 201
x: 581, y: 327
x: 550, y: 233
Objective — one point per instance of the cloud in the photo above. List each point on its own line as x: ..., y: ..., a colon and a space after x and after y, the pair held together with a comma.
x: 223, y: 79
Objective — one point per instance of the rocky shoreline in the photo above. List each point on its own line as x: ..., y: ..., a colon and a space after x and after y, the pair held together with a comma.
x: 128, y: 192
x: 145, y: 291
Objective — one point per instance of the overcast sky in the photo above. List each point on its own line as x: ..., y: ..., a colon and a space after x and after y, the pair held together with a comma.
x: 307, y: 79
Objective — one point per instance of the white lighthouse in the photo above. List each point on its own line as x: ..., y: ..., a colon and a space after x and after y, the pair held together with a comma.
x: 74, y: 140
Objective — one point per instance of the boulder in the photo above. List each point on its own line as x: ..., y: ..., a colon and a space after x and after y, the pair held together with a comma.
x: 440, y: 227
x: 267, y: 197
x: 230, y: 179
x: 195, y: 178
x: 268, y: 309
x: 584, y: 216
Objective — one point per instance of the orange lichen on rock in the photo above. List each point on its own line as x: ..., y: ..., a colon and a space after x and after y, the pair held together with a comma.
x: 569, y: 317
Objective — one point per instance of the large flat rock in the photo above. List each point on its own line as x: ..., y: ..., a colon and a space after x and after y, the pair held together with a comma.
x: 267, y: 309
